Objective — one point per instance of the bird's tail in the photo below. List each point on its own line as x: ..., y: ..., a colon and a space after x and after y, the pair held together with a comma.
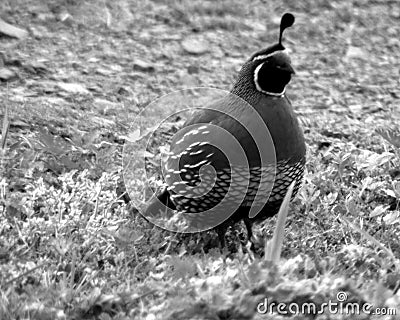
x: 159, y: 203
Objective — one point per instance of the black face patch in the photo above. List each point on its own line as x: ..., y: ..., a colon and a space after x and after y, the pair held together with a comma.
x: 271, y: 79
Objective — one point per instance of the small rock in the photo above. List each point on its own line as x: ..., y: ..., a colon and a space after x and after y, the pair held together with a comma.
x: 116, y: 67
x: 94, y: 88
x: 36, y: 67
x: 7, y: 74
x: 124, y: 91
x: 37, y: 34
x: 141, y: 65
x: 11, y: 31
x: 194, y: 45
x: 73, y: 87
x: 65, y: 18
x: 76, y: 65
x: 104, y: 72
x: 106, y: 107
x: 93, y: 60
x: 395, y: 12
x: 394, y: 42
x: 355, y: 53
x: 193, y: 69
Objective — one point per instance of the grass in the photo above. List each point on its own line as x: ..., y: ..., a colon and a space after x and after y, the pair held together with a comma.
x: 71, y: 247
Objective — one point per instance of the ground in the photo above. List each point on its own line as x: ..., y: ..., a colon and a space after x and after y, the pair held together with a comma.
x: 71, y: 244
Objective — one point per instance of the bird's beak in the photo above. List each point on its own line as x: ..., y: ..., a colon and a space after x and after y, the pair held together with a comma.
x: 288, y: 68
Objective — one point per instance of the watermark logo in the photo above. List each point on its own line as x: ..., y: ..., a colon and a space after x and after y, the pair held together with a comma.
x: 207, y: 168
x: 341, y: 306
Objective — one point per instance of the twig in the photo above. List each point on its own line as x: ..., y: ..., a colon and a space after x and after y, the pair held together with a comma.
x: 273, y: 247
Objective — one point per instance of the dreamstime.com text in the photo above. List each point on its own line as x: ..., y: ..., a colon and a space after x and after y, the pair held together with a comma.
x: 341, y: 306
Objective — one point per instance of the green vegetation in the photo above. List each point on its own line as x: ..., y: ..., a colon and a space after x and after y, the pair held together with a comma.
x: 72, y: 248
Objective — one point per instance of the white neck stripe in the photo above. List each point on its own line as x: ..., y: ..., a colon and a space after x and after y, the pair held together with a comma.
x: 265, y: 56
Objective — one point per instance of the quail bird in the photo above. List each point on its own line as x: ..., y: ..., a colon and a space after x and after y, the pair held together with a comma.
x: 261, y: 83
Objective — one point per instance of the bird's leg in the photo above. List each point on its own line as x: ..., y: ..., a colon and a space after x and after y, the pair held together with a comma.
x: 221, y: 230
x: 248, y: 225
x: 250, y: 238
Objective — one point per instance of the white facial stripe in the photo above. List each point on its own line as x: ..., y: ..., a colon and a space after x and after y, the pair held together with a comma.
x: 265, y: 56
x: 281, y: 94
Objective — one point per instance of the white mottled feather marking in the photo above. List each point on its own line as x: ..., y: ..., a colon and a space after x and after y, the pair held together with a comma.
x: 265, y: 56
x: 196, y: 153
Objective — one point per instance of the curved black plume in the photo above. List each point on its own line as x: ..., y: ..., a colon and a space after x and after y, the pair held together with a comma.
x: 287, y: 21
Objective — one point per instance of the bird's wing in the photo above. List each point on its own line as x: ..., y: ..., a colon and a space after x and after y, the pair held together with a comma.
x: 213, y: 135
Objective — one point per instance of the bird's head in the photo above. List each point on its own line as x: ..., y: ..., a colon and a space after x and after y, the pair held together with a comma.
x: 270, y: 69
